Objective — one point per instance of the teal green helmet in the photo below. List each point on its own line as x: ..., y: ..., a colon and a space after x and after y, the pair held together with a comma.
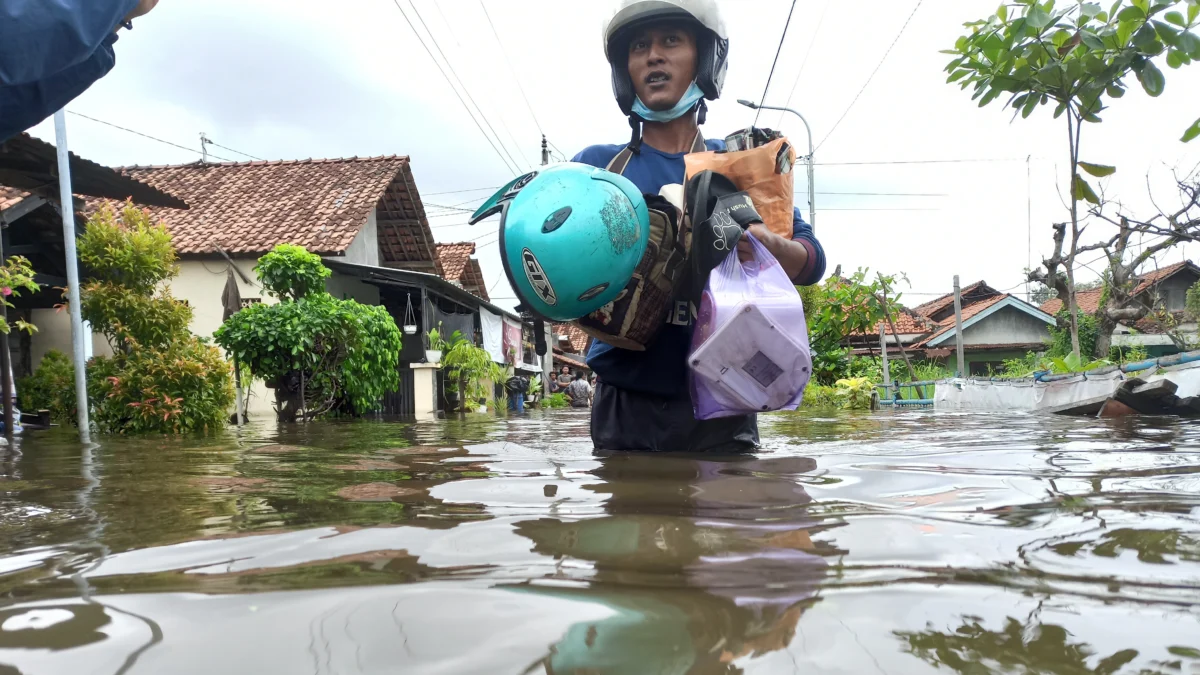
x: 571, y: 236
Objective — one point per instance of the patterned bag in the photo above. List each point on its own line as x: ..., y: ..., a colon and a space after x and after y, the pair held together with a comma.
x: 634, y: 318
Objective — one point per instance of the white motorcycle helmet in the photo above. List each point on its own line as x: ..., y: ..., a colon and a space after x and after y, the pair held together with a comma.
x: 712, y: 45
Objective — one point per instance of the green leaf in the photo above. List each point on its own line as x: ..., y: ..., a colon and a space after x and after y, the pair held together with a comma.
x: 1098, y: 170
x: 1189, y: 652
x: 1173, y: 59
x: 1089, y: 9
x: 1085, y: 191
x: 1037, y: 18
x: 1176, y: 18
x: 1002, y: 12
x: 1115, y: 91
x: 1131, y: 13
x: 1152, y: 79
x: 1169, y: 35
x: 1189, y: 43
x: 1146, y: 39
x: 957, y: 75
x: 1193, y: 12
x: 1091, y: 40
x: 1029, y: 106
x: 1192, y: 132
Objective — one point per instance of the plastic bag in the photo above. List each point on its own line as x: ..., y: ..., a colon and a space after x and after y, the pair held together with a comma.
x: 749, y: 350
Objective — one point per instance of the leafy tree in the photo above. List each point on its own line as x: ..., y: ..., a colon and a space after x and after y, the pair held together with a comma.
x: 51, y: 387
x: 837, y: 309
x: 16, y: 274
x: 317, y: 352
x: 161, y: 378
x: 1074, y: 57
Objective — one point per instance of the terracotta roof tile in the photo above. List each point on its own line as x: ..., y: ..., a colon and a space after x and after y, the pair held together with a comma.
x: 250, y: 207
x: 474, y: 280
x: 454, y: 259
x: 11, y: 197
x: 1151, y: 278
x: 968, y: 312
x: 574, y: 335
x: 941, y: 304
x: 1088, y: 302
x: 569, y: 360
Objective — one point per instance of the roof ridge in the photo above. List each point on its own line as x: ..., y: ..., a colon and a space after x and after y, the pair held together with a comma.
x: 264, y: 162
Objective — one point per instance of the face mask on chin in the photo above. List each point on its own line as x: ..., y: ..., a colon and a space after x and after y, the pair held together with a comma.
x: 685, y: 104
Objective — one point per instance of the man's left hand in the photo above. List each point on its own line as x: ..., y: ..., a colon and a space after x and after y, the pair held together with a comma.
x: 760, y: 232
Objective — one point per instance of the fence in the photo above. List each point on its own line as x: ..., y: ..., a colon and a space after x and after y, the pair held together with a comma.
x: 907, y: 393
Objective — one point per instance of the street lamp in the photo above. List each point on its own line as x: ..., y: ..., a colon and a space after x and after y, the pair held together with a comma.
x: 812, y: 215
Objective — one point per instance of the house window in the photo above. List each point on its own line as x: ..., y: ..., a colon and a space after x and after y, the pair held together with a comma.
x: 246, y: 302
x: 1176, y: 299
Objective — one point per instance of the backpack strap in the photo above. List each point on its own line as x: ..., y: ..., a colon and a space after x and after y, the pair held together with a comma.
x: 621, y: 160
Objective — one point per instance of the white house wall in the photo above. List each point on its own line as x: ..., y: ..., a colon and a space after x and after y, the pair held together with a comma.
x: 201, y: 283
x: 1006, y: 326
x: 364, y: 250
x: 54, y: 333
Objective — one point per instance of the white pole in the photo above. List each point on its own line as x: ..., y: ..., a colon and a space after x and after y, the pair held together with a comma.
x: 67, y: 204
x: 887, y: 376
x: 958, y: 329
x: 812, y: 189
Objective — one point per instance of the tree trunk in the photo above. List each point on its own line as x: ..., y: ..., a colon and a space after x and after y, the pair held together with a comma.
x: 288, y: 402
x: 1105, y: 325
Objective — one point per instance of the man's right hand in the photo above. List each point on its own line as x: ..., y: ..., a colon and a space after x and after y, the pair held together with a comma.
x: 143, y: 8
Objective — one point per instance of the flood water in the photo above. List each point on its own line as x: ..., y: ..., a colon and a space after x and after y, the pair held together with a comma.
x: 915, y: 542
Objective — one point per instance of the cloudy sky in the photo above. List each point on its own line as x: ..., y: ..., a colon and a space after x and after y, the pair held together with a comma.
x: 288, y: 79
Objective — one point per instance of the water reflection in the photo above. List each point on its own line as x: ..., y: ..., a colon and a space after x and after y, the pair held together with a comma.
x: 899, y: 543
x: 701, y: 562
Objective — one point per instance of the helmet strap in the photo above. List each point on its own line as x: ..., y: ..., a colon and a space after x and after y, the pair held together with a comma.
x: 635, y: 139
x: 701, y: 112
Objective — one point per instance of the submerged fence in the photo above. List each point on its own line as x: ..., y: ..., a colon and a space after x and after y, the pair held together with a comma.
x: 918, y: 394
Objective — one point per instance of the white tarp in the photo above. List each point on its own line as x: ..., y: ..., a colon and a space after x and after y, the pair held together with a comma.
x: 1024, y: 394
x: 492, y: 326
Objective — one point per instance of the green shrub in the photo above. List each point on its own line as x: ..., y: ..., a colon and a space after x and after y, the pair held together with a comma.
x: 161, y: 378
x: 1060, y: 340
x: 185, y: 386
x: 345, y: 353
x: 558, y: 400
x: 290, y: 271
x: 51, y: 387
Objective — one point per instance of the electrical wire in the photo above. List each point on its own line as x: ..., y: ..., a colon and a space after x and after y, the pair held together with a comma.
x: 452, y: 88
x: 758, y: 111
x: 462, y: 84
x: 138, y: 133
x: 244, y: 154
x: 511, y: 70
x: 804, y: 61
x: 454, y: 192
x: 871, y: 76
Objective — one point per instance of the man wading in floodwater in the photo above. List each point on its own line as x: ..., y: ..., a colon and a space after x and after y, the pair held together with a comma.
x: 667, y: 56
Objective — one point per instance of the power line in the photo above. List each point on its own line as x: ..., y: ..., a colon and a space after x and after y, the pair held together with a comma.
x: 454, y: 192
x: 872, y: 75
x: 775, y: 61
x: 983, y: 160
x: 882, y: 194
x: 138, y: 133
x: 804, y: 61
x: 452, y: 88
x: 244, y: 154
x: 511, y: 70
x: 464, y: 87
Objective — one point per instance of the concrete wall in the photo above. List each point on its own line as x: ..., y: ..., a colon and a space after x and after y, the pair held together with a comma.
x: 54, y: 333
x: 201, y: 283
x: 1006, y: 326
x: 364, y: 250
x: 343, y: 287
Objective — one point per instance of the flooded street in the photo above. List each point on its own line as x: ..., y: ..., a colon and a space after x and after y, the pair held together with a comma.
x: 917, y: 542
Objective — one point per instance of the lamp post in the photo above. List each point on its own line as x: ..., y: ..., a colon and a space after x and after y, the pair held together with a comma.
x: 812, y: 215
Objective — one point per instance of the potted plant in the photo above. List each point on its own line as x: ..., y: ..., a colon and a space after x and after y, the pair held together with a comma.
x: 439, y: 345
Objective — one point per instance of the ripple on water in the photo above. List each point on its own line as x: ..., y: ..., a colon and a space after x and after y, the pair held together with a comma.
x: 904, y: 542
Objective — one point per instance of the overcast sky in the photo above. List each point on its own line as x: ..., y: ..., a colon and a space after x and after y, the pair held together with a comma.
x: 291, y: 79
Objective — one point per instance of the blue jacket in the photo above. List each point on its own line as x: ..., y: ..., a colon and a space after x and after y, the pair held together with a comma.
x: 51, y: 51
x: 662, y: 369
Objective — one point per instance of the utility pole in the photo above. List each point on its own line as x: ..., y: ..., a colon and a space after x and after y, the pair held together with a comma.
x: 958, y: 331
x: 548, y: 357
x: 887, y: 377
x: 78, y: 334
x: 6, y: 364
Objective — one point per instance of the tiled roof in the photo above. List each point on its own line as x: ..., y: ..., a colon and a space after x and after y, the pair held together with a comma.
x: 574, y: 334
x: 248, y: 208
x: 907, y: 321
x: 454, y: 259
x: 11, y: 197
x: 947, y: 324
x: 458, y: 266
x: 972, y: 293
x: 1088, y: 302
x: 473, y: 279
x: 568, y: 360
x: 1151, y: 278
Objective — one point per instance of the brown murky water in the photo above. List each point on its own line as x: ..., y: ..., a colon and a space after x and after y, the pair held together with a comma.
x: 908, y: 543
